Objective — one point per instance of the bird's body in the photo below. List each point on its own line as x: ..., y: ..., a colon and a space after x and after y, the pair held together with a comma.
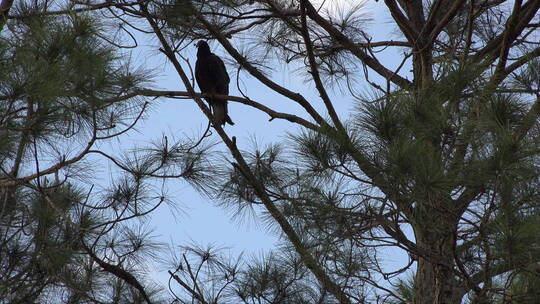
x: 212, y: 78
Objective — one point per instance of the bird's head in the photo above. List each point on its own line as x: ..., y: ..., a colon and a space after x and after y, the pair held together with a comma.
x: 203, y: 47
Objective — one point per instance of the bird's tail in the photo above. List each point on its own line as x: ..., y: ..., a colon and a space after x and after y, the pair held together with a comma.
x: 219, y: 109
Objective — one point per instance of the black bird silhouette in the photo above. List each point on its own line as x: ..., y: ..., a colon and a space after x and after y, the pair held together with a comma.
x: 212, y: 78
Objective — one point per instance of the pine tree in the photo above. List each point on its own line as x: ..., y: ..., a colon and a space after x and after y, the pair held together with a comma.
x: 65, y: 235
x: 439, y: 162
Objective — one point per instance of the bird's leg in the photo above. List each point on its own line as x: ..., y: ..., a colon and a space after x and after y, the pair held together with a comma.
x: 212, y: 109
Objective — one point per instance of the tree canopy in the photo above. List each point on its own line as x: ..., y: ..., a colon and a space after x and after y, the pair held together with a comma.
x: 437, y: 157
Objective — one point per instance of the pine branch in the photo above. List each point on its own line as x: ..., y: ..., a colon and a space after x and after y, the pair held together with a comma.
x: 117, y: 272
x: 373, y: 63
x: 527, y: 12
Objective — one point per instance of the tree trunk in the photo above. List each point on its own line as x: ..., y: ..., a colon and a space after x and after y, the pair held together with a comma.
x: 435, y: 281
